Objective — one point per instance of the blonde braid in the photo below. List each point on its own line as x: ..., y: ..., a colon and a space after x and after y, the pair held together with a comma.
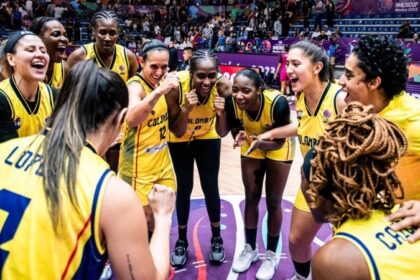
x: 355, y: 164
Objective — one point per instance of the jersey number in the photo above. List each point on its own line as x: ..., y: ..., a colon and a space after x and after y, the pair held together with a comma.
x: 15, y: 205
x: 162, y: 131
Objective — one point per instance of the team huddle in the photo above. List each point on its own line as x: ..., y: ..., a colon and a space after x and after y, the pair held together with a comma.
x: 95, y: 156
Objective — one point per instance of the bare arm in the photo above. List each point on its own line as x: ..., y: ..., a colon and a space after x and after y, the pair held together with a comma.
x: 224, y: 90
x: 76, y: 56
x: 179, y: 125
x: 339, y: 259
x: 124, y: 229
x: 140, y: 105
x: 134, y: 66
x: 289, y: 130
x: 340, y: 103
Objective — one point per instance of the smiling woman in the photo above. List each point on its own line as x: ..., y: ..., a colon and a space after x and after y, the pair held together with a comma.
x: 105, y: 50
x: 197, y: 120
x: 52, y: 32
x: 25, y: 101
x: 107, y: 54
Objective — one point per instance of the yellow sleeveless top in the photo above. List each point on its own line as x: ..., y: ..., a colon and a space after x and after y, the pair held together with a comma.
x: 202, y: 119
x: 264, y: 122
x: 311, y: 125
x: 404, y: 111
x: 144, y: 149
x: 387, y: 253
x: 29, y: 246
x: 119, y: 64
x: 28, y: 121
x: 57, y: 78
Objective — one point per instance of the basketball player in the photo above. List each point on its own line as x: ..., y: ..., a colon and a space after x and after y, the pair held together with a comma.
x: 318, y: 102
x: 353, y: 184
x: 197, y: 118
x: 105, y: 51
x: 376, y: 74
x: 108, y: 54
x: 25, y: 101
x: 52, y: 32
x: 144, y: 156
x: 251, y: 111
x: 67, y: 211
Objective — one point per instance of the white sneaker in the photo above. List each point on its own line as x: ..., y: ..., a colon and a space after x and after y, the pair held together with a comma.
x: 297, y: 276
x: 268, y: 266
x: 245, y: 259
x: 107, y: 272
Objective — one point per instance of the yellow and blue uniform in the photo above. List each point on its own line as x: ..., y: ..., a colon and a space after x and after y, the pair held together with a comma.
x: 57, y: 78
x: 20, y: 116
x: 144, y: 153
x: 404, y: 111
x: 202, y: 119
x: 30, y: 248
x: 266, y: 119
x: 311, y: 125
x: 119, y: 64
x: 387, y: 253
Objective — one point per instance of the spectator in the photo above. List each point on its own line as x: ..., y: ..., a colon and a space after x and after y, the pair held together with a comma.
x: 416, y: 38
x: 278, y: 27
x: 319, y: 13
x: 406, y: 31
x: 173, y: 56
x: 29, y: 8
x: 330, y: 10
x: 186, y: 54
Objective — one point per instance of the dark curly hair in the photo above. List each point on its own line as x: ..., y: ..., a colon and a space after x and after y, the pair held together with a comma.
x: 381, y: 57
x: 354, y: 165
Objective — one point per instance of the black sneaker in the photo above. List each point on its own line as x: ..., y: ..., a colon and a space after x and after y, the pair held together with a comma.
x: 217, y: 255
x: 179, y: 254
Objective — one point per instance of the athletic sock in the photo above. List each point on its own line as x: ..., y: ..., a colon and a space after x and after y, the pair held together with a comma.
x: 182, y: 234
x: 272, y: 242
x: 251, y: 237
x: 215, y: 231
x: 303, y: 268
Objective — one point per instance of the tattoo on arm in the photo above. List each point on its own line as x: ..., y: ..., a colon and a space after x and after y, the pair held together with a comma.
x: 130, y: 267
x: 154, y: 100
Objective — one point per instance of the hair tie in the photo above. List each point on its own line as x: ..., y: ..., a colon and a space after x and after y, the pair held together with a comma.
x: 11, y: 42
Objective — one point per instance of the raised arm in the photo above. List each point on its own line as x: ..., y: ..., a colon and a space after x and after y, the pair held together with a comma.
x: 140, y: 105
x: 224, y: 90
x: 124, y: 230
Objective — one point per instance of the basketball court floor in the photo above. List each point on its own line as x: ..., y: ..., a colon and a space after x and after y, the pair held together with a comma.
x: 232, y: 225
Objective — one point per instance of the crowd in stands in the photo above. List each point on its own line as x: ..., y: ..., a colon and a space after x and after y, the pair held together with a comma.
x: 228, y: 30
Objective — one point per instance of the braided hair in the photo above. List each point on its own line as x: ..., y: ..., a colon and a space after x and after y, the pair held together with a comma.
x: 103, y: 15
x: 199, y: 55
x: 38, y: 25
x: 354, y: 165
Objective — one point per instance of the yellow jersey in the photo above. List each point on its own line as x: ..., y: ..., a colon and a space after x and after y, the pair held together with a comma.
x: 404, y: 111
x: 29, y: 246
x: 266, y: 119
x: 387, y: 253
x: 28, y: 117
x: 57, y: 78
x: 144, y: 149
x: 119, y: 64
x: 311, y: 125
x: 202, y: 119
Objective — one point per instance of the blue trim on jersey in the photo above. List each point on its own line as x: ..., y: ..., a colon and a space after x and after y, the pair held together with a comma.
x: 363, y: 246
x: 92, y: 262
